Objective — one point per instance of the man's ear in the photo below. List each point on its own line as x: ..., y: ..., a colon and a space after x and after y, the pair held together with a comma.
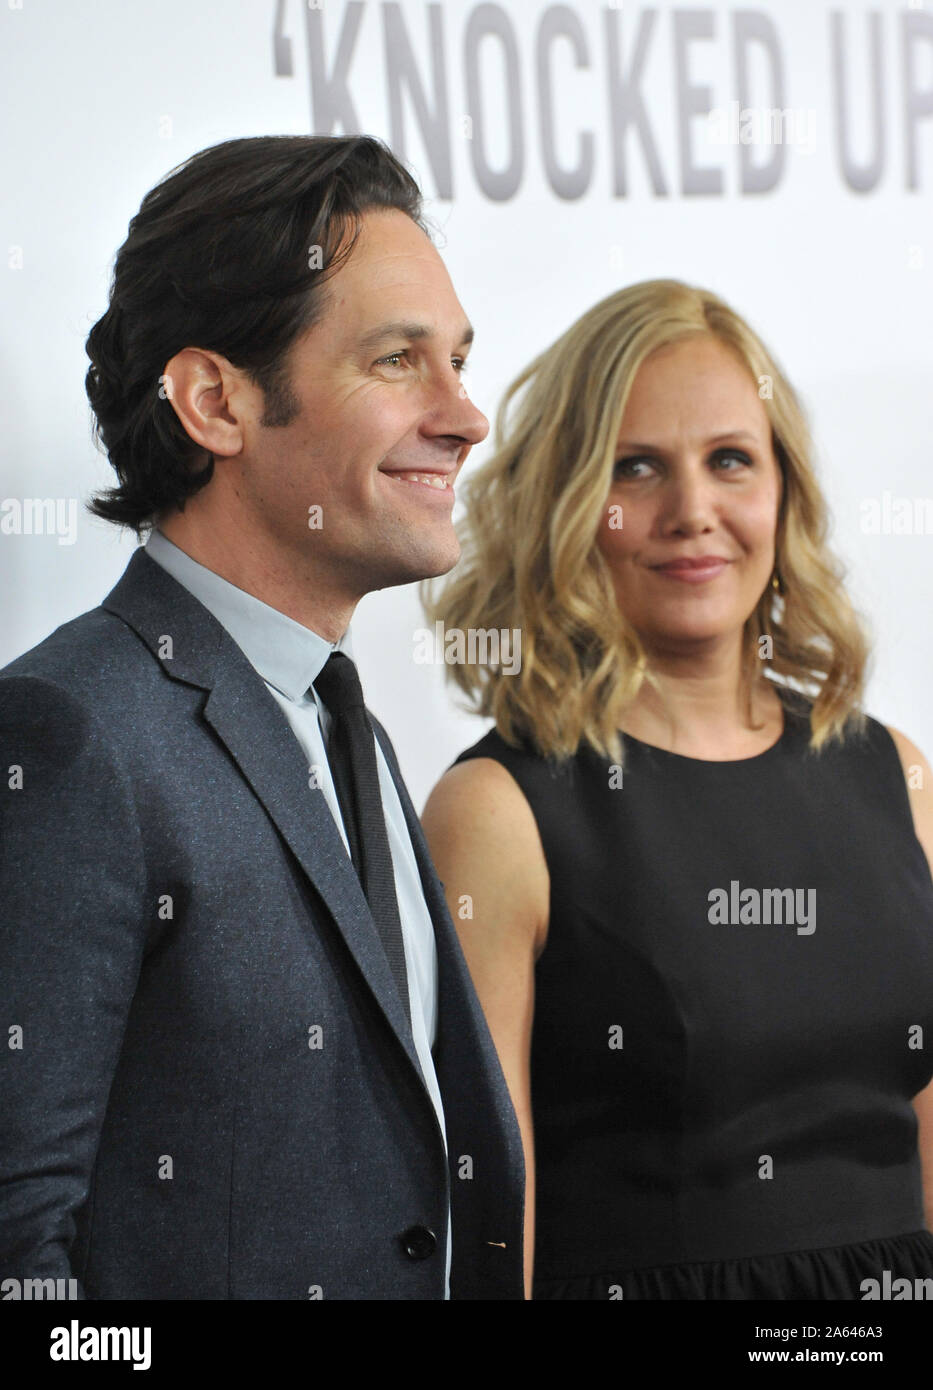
x: 211, y: 398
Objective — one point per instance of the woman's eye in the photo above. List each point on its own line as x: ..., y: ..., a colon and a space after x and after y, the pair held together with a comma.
x: 724, y: 461
x: 625, y: 468
x: 734, y: 456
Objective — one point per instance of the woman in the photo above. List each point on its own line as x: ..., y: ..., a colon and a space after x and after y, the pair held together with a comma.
x: 684, y: 865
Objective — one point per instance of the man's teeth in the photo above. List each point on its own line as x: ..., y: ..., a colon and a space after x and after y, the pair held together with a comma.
x: 432, y: 479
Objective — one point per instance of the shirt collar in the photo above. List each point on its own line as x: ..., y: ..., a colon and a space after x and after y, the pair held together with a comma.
x: 288, y: 655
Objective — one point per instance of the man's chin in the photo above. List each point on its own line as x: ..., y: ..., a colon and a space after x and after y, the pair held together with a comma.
x: 442, y: 565
x: 425, y: 564
x: 430, y: 562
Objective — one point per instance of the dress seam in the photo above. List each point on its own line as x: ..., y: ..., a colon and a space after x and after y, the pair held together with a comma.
x: 684, y: 1266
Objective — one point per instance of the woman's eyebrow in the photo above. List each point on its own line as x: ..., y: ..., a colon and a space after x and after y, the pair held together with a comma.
x: 713, y: 439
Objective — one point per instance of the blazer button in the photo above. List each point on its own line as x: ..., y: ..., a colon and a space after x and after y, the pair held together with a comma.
x: 418, y: 1242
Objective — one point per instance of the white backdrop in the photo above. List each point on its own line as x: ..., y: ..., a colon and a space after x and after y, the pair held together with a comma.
x: 565, y: 150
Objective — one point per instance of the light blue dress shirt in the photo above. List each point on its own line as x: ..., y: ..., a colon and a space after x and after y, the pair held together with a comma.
x: 289, y: 657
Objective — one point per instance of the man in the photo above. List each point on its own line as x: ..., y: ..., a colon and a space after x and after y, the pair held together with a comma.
x: 245, y: 1057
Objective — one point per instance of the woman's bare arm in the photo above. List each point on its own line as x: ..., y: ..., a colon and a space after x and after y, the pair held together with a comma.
x: 484, y: 841
x: 920, y: 790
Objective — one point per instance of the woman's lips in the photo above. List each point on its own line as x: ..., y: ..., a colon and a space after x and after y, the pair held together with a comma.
x: 692, y: 571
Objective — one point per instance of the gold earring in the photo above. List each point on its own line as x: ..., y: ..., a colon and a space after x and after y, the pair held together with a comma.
x: 776, y: 582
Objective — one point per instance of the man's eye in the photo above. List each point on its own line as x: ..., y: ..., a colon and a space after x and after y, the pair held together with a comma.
x: 393, y: 359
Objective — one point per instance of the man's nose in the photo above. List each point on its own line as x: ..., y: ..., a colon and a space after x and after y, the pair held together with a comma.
x: 455, y: 413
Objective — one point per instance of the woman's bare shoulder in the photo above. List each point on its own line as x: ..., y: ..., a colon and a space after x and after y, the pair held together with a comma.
x: 919, y: 778
x: 477, y: 821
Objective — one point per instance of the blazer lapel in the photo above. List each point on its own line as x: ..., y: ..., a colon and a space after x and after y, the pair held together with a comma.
x: 433, y: 888
x: 467, y: 1063
x: 257, y: 735
x: 457, y: 991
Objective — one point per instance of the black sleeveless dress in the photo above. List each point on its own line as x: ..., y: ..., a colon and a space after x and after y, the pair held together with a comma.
x: 722, y: 1071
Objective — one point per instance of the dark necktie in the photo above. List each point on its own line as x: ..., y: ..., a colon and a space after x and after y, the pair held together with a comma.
x: 351, y: 754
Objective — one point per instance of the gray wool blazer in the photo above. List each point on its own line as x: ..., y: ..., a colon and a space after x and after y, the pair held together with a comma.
x: 208, y: 1087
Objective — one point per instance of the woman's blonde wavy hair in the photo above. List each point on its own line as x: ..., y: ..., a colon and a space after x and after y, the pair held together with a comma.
x: 530, y: 559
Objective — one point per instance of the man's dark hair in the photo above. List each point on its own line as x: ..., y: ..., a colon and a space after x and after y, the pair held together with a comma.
x: 221, y: 256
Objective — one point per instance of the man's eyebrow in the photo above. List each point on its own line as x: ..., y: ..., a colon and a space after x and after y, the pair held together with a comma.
x: 412, y: 332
